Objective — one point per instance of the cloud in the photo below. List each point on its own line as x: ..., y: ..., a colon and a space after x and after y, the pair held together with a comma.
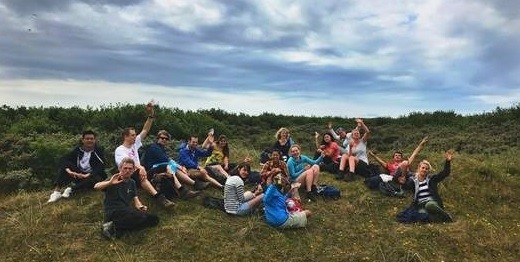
x: 355, y: 56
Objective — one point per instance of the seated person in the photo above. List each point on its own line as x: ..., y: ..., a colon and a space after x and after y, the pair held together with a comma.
x: 236, y: 201
x: 342, y: 137
x: 283, y: 144
x: 189, y: 158
x: 398, y: 161
x: 426, y: 199
x: 357, y: 158
x: 304, y: 170
x: 83, y: 166
x: 120, y: 192
x: 397, y: 172
x: 279, y: 211
x: 331, y: 150
x: 130, y: 148
x: 160, y: 166
x: 217, y: 164
x: 273, y: 167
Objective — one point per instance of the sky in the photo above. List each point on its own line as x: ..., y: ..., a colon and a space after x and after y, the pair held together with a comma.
x: 349, y: 58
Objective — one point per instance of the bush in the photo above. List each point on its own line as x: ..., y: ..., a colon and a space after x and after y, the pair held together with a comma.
x: 16, y: 180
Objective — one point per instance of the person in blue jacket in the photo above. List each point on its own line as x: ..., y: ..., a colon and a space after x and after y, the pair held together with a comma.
x: 275, y: 206
x: 189, y: 158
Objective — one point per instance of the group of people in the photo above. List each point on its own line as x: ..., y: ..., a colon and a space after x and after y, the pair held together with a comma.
x: 284, y: 174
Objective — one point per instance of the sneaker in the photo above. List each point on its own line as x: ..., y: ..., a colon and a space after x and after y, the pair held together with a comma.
x: 108, y: 230
x: 199, y: 185
x: 55, y: 196
x: 67, y: 192
x: 165, y: 202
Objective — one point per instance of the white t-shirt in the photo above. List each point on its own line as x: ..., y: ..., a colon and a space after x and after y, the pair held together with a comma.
x: 132, y: 152
x: 84, y: 162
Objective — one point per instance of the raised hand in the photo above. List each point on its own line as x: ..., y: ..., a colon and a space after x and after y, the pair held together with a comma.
x: 116, y: 179
x: 449, y: 155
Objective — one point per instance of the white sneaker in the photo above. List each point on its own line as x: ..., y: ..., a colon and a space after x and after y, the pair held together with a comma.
x: 66, y: 192
x: 54, y: 197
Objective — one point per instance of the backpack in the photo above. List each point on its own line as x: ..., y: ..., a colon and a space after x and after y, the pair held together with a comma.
x: 329, y: 192
x: 390, y: 188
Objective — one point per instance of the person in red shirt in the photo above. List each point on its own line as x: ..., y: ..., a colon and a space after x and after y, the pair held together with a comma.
x: 398, y: 160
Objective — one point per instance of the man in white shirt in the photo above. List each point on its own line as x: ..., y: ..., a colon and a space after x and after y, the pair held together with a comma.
x: 131, y: 144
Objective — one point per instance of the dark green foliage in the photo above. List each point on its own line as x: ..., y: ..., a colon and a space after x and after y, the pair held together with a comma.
x: 36, y: 138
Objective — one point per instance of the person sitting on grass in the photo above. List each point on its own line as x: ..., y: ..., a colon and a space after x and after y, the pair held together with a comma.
x: 189, y: 158
x: 217, y: 164
x: 162, y: 170
x: 283, y: 142
x: 130, y: 148
x: 236, y: 201
x: 304, y: 170
x: 397, y: 172
x: 427, y: 205
x: 83, y: 167
x: 356, y: 159
x: 279, y: 212
x: 120, y: 193
x: 342, y: 137
x: 398, y: 161
x: 273, y: 167
x: 331, y: 151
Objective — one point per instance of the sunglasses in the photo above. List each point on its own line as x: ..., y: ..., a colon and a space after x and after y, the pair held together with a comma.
x: 164, y: 138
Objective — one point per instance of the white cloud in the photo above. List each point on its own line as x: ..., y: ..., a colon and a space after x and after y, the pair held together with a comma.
x: 68, y: 93
x: 186, y: 16
x: 504, y: 100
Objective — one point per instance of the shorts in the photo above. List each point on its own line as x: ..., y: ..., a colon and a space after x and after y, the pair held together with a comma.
x: 244, y: 209
x: 297, y: 219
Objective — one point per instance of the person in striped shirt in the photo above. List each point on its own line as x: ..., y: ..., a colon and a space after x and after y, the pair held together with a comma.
x: 426, y: 198
x: 236, y: 201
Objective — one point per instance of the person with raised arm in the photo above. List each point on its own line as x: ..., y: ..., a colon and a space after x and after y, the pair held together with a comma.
x: 189, y: 158
x: 427, y: 205
x: 357, y: 158
x: 131, y: 144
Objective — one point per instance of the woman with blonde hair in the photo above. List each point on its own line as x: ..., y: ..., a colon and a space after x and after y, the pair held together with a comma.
x: 304, y: 170
x: 356, y: 158
x: 283, y: 142
x: 427, y: 205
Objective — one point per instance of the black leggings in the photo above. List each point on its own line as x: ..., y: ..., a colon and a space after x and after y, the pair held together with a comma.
x: 130, y: 219
x: 64, y: 179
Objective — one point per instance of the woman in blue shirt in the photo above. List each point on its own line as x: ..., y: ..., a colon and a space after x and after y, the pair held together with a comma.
x: 304, y: 170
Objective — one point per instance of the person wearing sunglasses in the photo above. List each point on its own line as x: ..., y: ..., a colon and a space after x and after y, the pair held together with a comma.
x: 166, y: 174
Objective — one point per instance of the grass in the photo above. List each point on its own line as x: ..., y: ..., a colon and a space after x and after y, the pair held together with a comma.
x: 359, y: 227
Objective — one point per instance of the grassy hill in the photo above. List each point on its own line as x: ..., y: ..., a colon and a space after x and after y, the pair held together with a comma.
x: 481, y: 194
x: 483, y: 200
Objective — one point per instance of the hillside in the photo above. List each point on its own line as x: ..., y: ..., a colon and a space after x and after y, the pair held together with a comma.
x: 481, y: 194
